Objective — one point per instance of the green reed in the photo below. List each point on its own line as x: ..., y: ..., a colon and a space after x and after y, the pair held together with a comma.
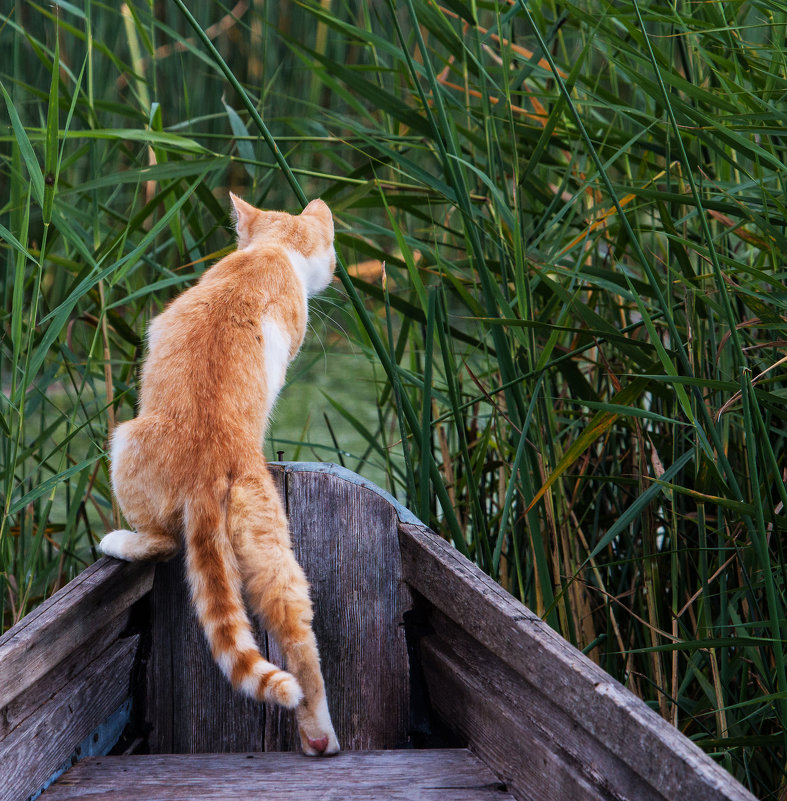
x: 563, y: 233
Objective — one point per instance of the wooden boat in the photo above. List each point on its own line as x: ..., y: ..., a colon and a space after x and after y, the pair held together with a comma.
x: 441, y: 685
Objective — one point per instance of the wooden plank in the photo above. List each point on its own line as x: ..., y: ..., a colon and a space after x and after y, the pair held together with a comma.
x: 99, y: 742
x: 345, y: 536
x: 191, y: 707
x: 533, y: 745
x: 31, y: 648
x: 630, y: 731
x: 350, y: 776
x: 45, y: 739
x: 59, y: 677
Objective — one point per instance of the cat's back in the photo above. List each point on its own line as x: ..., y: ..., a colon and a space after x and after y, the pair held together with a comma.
x: 210, y: 307
x: 205, y: 350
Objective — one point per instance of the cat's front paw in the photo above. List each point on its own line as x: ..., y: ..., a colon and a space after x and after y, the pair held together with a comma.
x: 117, y: 544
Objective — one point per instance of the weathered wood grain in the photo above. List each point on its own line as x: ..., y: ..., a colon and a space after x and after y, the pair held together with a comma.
x: 191, y: 707
x: 629, y: 731
x: 532, y: 744
x: 345, y: 537
x: 542, y: 716
x: 445, y: 775
x: 44, y: 739
x: 22, y: 706
x: 30, y: 649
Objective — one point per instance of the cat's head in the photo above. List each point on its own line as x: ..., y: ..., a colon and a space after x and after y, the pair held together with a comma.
x: 307, y: 237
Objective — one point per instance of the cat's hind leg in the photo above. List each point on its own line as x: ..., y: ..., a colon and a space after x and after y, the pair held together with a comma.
x: 277, y: 590
x: 140, y: 493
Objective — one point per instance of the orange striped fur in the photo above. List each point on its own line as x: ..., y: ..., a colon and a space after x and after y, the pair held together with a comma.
x: 189, y: 468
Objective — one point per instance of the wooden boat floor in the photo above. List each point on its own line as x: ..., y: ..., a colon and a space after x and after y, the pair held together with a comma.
x: 406, y: 775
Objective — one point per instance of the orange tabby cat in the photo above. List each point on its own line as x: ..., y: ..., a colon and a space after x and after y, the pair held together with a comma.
x: 190, y: 466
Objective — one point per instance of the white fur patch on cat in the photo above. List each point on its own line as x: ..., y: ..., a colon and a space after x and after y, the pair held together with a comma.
x: 154, y: 332
x: 276, y: 344
x: 119, y: 443
x: 315, y: 271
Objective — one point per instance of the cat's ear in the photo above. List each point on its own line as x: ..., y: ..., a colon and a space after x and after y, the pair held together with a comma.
x: 244, y: 214
x: 319, y: 208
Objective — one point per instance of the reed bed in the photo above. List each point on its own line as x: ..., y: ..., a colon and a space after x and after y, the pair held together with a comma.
x: 561, y: 228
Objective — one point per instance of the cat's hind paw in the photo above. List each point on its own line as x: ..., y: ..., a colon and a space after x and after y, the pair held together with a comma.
x: 117, y: 544
x: 316, y: 732
x: 325, y: 745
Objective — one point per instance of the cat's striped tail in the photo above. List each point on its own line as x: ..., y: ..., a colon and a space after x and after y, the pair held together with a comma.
x: 215, y: 581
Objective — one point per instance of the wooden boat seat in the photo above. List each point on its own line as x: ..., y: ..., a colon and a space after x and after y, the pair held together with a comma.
x: 420, y: 650
x: 433, y: 775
